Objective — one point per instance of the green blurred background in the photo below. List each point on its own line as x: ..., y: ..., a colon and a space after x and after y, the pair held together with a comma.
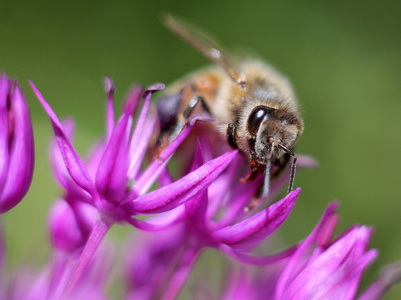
x: 343, y: 58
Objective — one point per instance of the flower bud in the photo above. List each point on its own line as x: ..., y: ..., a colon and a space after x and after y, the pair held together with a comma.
x: 16, y: 145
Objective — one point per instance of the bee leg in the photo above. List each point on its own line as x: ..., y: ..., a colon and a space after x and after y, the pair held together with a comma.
x: 187, y: 113
x: 232, y: 135
x: 293, y: 165
x: 192, y: 104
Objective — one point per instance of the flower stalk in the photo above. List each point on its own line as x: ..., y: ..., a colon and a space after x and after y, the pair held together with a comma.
x: 99, y: 231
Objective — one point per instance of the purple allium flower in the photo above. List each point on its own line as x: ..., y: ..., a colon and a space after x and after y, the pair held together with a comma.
x: 323, y: 268
x: 117, y: 188
x: 49, y: 282
x: 118, y: 168
x: 212, y: 219
x: 16, y: 145
x: 320, y: 268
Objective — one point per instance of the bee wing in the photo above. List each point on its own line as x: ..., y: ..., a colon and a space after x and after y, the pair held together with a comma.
x: 203, y: 43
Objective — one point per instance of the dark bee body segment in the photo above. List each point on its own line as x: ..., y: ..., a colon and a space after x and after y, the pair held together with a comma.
x: 232, y: 135
x: 167, y: 110
x: 196, y: 93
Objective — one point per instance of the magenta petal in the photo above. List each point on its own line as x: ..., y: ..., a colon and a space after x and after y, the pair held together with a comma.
x: 296, y: 262
x: 21, y: 156
x: 65, y: 229
x: 111, y: 176
x: 138, y: 150
x: 180, y: 191
x: 5, y: 86
x: 198, y: 158
x: 335, y: 274
x: 260, y: 225
x: 389, y: 275
x: 57, y: 161
x: 140, y: 123
x: 224, y: 195
x: 258, y: 260
x: 74, y: 163
x: 132, y: 101
x: 140, y: 137
x: 74, y: 191
x: 159, y: 221
x: 197, y: 208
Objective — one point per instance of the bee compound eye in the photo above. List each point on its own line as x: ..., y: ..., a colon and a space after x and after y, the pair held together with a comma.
x: 256, y: 118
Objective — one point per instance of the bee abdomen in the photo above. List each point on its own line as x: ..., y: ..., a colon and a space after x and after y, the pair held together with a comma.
x: 167, y: 109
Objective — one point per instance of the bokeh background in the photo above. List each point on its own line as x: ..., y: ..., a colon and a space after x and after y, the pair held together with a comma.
x: 343, y: 58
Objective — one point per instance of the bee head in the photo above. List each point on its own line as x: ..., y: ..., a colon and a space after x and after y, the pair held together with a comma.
x: 271, y: 133
x: 270, y: 130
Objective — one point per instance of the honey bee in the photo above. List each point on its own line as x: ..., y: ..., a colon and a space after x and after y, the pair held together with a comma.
x: 253, y: 105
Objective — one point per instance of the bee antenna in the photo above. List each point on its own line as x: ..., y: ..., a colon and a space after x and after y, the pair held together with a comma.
x: 293, y: 165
